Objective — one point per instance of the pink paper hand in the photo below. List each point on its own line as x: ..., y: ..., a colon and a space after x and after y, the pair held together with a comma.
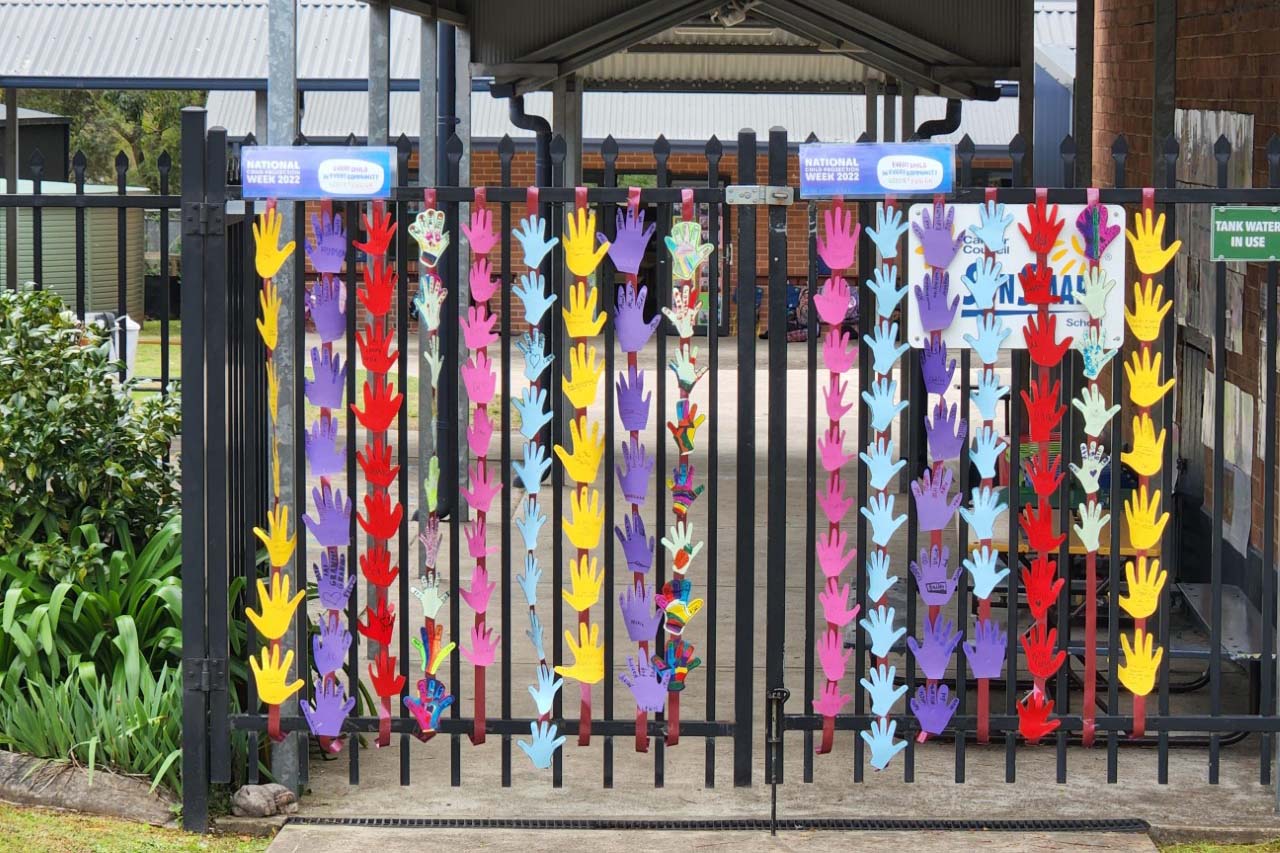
x: 477, y: 328
x: 831, y: 654
x: 479, y: 433
x: 482, y: 488
x: 831, y: 700
x: 477, y: 597
x: 835, y: 605
x: 837, y: 354
x: 479, y: 378
x: 480, y: 235
x: 476, y: 536
x: 833, y: 398
x: 831, y: 449
x: 483, y: 644
x: 831, y: 555
x: 832, y: 500
x: 839, y: 239
x: 833, y: 301
x: 483, y: 282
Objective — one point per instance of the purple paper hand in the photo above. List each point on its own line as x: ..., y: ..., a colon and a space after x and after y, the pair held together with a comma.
x: 934, y: 367
x: 329, y: 647
x: 648, y: 687
x: 633, y: 403
x: 633, y: 330
x: 639, y: 613
x: 934, y: 505
x: 329, y: 711
x: 628, y: 248
x: 935, y: 235
x: 328, y: 248
x: 987, y: 651
x: 946, y: 433
x: 634, y: 477
x: 331, y: 528
x: 930, y: 571
x: 931, y: 707
x: 935, y: 652
x: 333, y: 582
x: 324, y: 458
x: 637, y: 550
x: 327, y: 389
x: 327, y: 304
x: 937, y: 307
x: 1092, y: 225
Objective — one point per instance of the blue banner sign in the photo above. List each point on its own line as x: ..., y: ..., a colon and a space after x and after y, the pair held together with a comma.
x: 306, y: 172
x: 874, y: 169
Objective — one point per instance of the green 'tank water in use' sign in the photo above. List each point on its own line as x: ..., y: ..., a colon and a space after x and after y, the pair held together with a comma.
x: 1246, y: 234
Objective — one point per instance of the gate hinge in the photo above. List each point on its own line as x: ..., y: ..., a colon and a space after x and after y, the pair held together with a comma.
x: 758, y: 194
x: 202, y: 219
x: 204, y: 674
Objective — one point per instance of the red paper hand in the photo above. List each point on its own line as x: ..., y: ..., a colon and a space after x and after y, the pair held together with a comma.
x: 383, y: 518
x: 378, y: 624
x: 376, y: 566
x: 1045, y: 227
x: 1035, y: 281
x: 1043, y: 410
x: 375, y: 462
x: 1038, y: 525
x: 1042, y: 341
x: 1033, y: 717
x: 1044, y: 477
x: 379, y: 287
x: 1043, y: 656
x: 386, y: 681
x: 1042, y: 585
x: 378, y: 231
x: 381, y: 404
x: 375, y: 348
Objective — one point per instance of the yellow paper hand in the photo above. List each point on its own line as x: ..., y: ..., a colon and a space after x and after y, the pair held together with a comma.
x: 1146, y: 241
x: 1148, y: 448
x: 275, y: 468
x: 273, y: 392
x: 587, y: 524
x: 580, y: 318
x: 583, y: 379
x: 279, y: 543
x: 1141, y: 660
x: 1146, y: 522
x: 586, y: 577
x: 1144, y: 379
x: 1148, y: 311
x: 584, y: 462
x: 268, y: 258
x: 588, y: 656
x: 269, y: 325
x: 1144, y: 587
x: 270, y: 676
x: 578, y: 254
x: 277, y: 607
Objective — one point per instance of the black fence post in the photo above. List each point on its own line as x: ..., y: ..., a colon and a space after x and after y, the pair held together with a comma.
x: 195, y: 743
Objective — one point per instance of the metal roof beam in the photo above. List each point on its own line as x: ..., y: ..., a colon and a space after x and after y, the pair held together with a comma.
x: 908, y: 41
x: 449, y: 11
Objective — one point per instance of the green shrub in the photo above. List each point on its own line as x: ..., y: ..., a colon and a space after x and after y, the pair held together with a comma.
x: 75, y: 447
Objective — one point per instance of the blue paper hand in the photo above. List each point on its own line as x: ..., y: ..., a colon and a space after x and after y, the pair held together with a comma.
x: 881, y: 464
x: 882, y: 404
x: 544, y: 695
x: 883, y: 747
x: 533, y: 294
x: 991, y: 334
x: 536, y: 357
x: 531, y: 407
x: 880, y: 631
x: 992, y: 223
x: 881, y: 690
x: 878, y: 578
x: 544, y: 745
x: 530, y: 471
x: 983, y: 566
x: 534, y: 633
x: 531, y: 523
x: 988, y: 394
x: 983, y: 279
x: 529, y: 580
x: 879, y: 511
x: 532, y: 235
x: 986, y: 450
x: 986, y: 508
x: 884, y: 284
x: 889, y: 229
x: 884, y: 348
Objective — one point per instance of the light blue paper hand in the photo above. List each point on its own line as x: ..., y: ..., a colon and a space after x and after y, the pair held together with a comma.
x: 530, y: 523
x: 889, y: 229
x: 534, y: 633
x: 533, y: 293
x: 544, y: 695
x: 879, y: 511
x: 884, y: 348
x: 991, y: 334
x: 880, y: 689
x: 531, y: 407
x: 529, y: 580
x: 880, y: 739
x: 884, y: 284
x: 988, y: 394
x: 544, y: 746
x: 881, y: 463
x: 986, y: 508
x: 986, y: 450
x: 878, y: 578
x: 1093, y: 348
x: 880, y: 631
x: 532, y: 235
x: 984, y: 568
x: 992, y: 223
x: 536, y: 357
x: 983, y: 278
x: 530, y: 471
x: 883, y: 406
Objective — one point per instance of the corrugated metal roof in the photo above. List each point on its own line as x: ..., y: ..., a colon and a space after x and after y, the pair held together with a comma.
x: 1056, y: 23
x: 689, y: 117
x: 33, y: 116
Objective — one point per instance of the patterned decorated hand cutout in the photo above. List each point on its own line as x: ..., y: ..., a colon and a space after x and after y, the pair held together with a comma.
x: 679, y: 661
x: 1097, y: 234
x: 428, y: 231
x: 687, y: 249
x: 680, y: 545
x: 1096, y: 354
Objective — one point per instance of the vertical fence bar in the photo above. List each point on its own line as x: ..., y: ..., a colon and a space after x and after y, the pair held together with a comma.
x: 867, y: 259
x: 1168, y: 550
x: 1222, y: 155
x: 555, y: 334
x: 165, y: 165
x: 122, y: 279
x: 506, y: 151
x: 450, y: 316
x: 1119, y: 152
x: 606, y: 281
x: 351, y: 215
x: 714, y: 308
x: 810, y: 479
x: 37, y: 217
x: 964, y: 154
x: 661, y: 153
x: 400, y: 212
x: 1019, y: 362
x: 1269, y: 681
x: 1067, y: 372
x: 79, y: 164
x: 301, y: 625
x: 744, y: 569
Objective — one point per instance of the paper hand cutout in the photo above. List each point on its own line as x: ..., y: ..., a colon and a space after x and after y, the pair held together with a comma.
x: 1147, y: 241
x: 683, y: 493
x: 583, y: 379
x: 946, y: 431
x: 1033, y: 716
x: 839, y: 238
x: 1093, y: 407
x: 1148, y: 448
x: 382, y: 519
x: 1045, y: 224
x: 676, y: 600
x: 428, y: 231
x: 986, y: 451
x: 1042, y: 585
x: 992, y: 223
x: 881, y: 463
x: 585, y: 579
x: 427, y: 302
x: 684, y: 311
x: 883, y: 406
x: 329, y: 646
x: 431, y: 596
x: 937, y: 307
x: 277, y: 607
x: 1043, y: 477
x: 879, y: 580
x: 1092, y: 520
x: 430, y: 536
x: 879, y: 511
x: 1143, y: 373
x: 889, y: 229
x: 579, y: 254
x: 587, y: 522
x: 534, y: 297
x: 378, y: 624
x: 333, y: 582
x: 582, y: 464
x: 376, y: 355
x: 983, y: 279
x: 881, y: 691
x: 475, y: 535
x: 580, y: 318
x: 326, y: 714
x: 991, y: 335
x: 838, y: 355
x: 532, y: 236
x: 639, y: 614
x: 931, y: 572
x: 832, y: 655
x: 528, y: 581
x: 1096, y: 289
x: 686, y: 368
x: 835, y: 605
x: 884, y: 283
x: 632, y: 329
x: 544, y: 743
x: 328, y: 248
x: 880, y: 631
x: 1141, y: 662
x: 1093, y: 348
x: 269, y: 325
x: 833, y: 400
x: 880, y: 740
x: 268, y: 256
x: 278, y: 541
x: 378, y: 231
x: 432, y: 701
x: 269, y: 676
x: 480, y: 234
x: 1146, y: 522
x: 1037, y: 285
x: 535, y: 636
x: 477, y: 597
x: 331, y: 528
x: 1144, y: 587
x: 679, y: 544
x: 382, y: 674
x: 986, y: 653
x: 830, y: 703
x: 634, y: 479
x: 649, y: 688
x: 1042, y: 341
x: 833, y: 301
x: 935, y: 237
x: 933, y: 366
x: 832, y: 499
x: 477, y: 328
x: 479, y: 378
x: 885, y: 350
x: 483, y: 646
x: 637, y: 550
x: 324, y: 458
x: 685, y: 427
x: 327, y: 388
x: 939, y: 642
x: 544, y: 695
x: 381, y: 405
x: 1039, y: 644
x: 988, y: 393
x: 1043, y: 411
x: 588, y: 655
x: 531, y: 406
x: 633, y: 403
x: 530, y: 471
x: 934, y: 504
x: 931, y: 707
x: 687, y: 249
x: 1149, y: 310
x: 1038, y: 526
x: 832, y: 558
x: 327, y: 305
x: 680, y: 661
x: 379, y: 287
x: 628, y: 247
x: 831, y: 449
x: 982, y: 565
x: 1097, y: 234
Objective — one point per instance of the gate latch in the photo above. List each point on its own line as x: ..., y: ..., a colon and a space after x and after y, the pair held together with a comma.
x: 758, y: 194
x: 204, y: 675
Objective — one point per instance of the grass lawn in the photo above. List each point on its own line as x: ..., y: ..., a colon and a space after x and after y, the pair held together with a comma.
x: 39, y: 831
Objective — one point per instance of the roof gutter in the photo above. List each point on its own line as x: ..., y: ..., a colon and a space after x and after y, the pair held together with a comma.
x: 949, y: 123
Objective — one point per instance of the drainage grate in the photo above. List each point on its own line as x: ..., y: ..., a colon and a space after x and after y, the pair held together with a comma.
x: 740, y: 825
